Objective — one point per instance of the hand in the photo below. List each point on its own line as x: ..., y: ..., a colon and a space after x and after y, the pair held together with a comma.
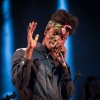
x: 60, y: 56
x: 31, y: 43
x: 57, y: 48
x: 59, y: 52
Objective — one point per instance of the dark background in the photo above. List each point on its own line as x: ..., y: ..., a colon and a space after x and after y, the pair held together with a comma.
x: 86, y: 40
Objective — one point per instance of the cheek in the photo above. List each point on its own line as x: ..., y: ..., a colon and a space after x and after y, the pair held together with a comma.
x: 47, y: 36
x: 67, y: 34
x: 63, y: 31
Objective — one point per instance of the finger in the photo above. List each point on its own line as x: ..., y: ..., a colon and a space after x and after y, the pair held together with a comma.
x: 57, y: 45
x: 59, y: 51
x: 33, y: 26
x: 29, y: 26
x: 36, y: 37
x: 65, y: 54
x: 64, y: 51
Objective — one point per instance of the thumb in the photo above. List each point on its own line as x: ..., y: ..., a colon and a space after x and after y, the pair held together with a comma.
x: 34, y: 42
x: 36, y: 37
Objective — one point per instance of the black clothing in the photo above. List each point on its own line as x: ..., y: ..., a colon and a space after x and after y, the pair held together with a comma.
x: 41, y: 78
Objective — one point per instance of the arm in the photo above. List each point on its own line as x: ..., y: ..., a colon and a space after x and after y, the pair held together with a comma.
x: 21, y: 69
x: 67, y: 83
x: 22, y: 60
x: 67, y: 86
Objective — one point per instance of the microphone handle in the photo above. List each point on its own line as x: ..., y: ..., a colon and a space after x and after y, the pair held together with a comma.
x: 64, y: 63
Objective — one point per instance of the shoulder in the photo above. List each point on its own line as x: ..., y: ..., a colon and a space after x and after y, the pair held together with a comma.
x: 21, y: 49
x: 19, y: 52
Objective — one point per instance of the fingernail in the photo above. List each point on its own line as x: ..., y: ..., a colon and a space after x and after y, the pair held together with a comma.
x: 37, y: 35
x: 35, y: 23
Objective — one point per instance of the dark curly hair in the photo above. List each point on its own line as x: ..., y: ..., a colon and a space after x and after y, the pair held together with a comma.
x: 63, y: 17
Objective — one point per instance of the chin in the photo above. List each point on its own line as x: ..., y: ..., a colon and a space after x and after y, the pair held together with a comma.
x: 48, y: 46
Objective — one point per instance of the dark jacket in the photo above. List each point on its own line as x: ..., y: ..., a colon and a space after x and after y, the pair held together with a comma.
x: 41, y: 78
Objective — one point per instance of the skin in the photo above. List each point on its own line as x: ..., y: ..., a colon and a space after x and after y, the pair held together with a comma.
x: 31, y: 43
x: 50, y: 41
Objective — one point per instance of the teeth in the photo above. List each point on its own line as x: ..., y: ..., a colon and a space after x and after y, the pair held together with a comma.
x: 51, y: 45
x: 55, y: 43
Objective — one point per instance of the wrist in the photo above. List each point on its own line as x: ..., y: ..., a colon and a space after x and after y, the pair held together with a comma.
x: 65, y: 69
x: 28, y: 53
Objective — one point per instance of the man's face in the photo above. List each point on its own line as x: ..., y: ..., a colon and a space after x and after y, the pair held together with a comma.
x: 55, y: 39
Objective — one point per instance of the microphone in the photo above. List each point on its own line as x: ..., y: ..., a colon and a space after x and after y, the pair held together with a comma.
x: 64, y: 65
x: 61, y: 54
x: 63, y: 59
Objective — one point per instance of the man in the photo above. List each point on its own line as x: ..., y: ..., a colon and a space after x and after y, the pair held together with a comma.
x: 39, y: 71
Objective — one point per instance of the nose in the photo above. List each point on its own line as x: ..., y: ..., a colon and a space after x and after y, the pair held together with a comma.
x: 59, y: 40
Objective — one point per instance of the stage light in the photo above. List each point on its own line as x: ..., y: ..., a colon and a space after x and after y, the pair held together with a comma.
x: 63, y: 4
x: 7, y: 48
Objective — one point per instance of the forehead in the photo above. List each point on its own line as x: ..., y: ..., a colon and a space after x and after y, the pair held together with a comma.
x: 57, y: 29
x: 58, y: 26
x: 53, y: 33
x: 53, y: 24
